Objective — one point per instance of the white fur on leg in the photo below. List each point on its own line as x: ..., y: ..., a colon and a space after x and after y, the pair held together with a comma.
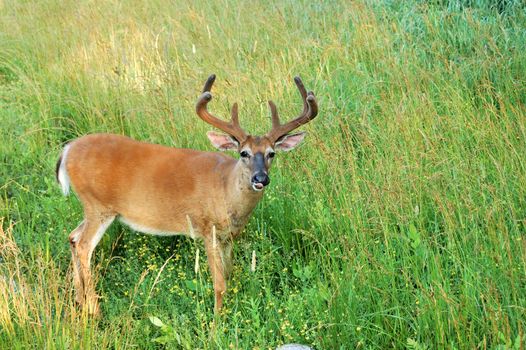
x: 98, y: 235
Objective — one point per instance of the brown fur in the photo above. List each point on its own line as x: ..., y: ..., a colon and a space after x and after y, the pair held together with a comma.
x: 167, y: 190
x: 159, y: 188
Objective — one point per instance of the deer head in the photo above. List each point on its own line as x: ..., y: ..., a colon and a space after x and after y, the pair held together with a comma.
x: 257, y: 152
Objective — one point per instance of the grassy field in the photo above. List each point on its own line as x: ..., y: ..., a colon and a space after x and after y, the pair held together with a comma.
x: 399, y: 223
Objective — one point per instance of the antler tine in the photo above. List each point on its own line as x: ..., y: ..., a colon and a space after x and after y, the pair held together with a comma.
x: 274, y: 114
x: 310, y: 111
x: 209, y: 83
x: 235, y: 116
x: 233, y: 128
x: 303, y: 93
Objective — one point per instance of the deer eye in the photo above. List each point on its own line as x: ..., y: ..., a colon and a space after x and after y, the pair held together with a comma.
x: 271, y: 154
x: 244, y: 154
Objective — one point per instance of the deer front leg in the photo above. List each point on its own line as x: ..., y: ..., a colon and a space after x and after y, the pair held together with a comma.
x: 227, y: 258
x: 215, y: 252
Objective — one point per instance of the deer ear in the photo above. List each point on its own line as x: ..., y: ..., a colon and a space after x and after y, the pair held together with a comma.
x: 222, y: 142
x: 288, y: 142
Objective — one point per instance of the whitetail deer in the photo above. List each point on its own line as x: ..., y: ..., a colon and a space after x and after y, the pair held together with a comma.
x: 168, y: 191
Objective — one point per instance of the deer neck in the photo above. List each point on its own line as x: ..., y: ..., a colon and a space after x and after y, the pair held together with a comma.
x: 242, y: 199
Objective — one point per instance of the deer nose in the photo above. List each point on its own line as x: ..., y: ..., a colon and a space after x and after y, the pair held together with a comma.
x: 261, y: 178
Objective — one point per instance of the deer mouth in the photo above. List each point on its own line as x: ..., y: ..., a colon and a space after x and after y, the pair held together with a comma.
x: 257, y: 186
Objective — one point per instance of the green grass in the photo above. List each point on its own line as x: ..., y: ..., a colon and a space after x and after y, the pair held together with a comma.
x: 399, y: 223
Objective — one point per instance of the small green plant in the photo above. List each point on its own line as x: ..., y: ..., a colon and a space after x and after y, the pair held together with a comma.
x: 169, y: 334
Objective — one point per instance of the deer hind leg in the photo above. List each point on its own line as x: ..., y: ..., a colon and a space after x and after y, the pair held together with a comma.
x: 73, y: 239
x: 83, y: 241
